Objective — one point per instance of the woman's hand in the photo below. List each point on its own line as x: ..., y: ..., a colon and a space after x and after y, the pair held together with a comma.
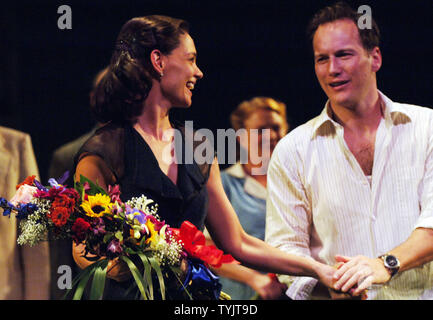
x: 116, y: 269
x: 267, y: 287
x: 325, y: 274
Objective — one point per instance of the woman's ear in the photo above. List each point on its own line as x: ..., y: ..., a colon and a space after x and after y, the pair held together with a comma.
x: 156, y: 57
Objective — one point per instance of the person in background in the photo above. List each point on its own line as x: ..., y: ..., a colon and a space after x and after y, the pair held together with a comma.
x: 246, y: 191
x: 63, y: 157
x: 62, y: 161
x: 24, y: 270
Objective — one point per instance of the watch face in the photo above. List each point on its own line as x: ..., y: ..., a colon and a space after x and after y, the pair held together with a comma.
x: 391, y: 261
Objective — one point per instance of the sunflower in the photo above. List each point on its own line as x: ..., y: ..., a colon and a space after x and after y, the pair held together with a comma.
x: 97, y: 205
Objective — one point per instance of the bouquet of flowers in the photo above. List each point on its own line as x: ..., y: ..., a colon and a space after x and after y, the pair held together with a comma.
x: 129, y: 231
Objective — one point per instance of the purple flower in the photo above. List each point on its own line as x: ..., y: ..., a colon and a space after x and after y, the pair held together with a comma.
x: 114, y: 246
x: 114, y: 193
x: 63, y: 178
x: 40, y: 186
x: 98, y: 227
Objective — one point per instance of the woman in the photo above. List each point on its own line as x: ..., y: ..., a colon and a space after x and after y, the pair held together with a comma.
x: 153, y: 68
x: 246, y: 190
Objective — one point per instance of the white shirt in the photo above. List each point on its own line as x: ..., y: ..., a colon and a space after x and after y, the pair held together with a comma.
x: 251, y: 185
x: 320, y: 203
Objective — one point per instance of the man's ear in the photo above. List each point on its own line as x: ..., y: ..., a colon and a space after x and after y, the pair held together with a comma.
x: 377, y: 59
x: 156, y: 58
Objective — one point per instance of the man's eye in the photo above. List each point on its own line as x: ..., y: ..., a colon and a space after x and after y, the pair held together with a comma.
x: 321, y: 59
x: 344, y: 54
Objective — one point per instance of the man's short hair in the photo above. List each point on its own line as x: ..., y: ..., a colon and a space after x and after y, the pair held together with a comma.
x: 370, y: 37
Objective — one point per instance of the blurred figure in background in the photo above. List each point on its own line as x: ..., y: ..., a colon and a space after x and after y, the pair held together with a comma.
x: 63, y: 157
x: 24, y: 270
x: 245, y: 186
x: 62, y: 161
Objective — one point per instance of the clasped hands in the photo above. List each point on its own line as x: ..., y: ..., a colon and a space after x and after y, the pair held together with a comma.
x: 354, y: 275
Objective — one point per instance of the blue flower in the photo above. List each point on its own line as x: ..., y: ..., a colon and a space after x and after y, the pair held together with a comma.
x: 7, y: 207
x: 25, y: 210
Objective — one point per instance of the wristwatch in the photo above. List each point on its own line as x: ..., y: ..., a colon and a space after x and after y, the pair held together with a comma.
x: 391, y: 263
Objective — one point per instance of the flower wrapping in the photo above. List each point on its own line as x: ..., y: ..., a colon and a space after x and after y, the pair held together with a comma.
x: 110, y: 229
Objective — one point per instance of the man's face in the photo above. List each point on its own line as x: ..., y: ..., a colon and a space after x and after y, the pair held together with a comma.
x: 344, y: 68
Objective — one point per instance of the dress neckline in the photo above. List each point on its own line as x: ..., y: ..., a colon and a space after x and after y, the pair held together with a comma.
x: 154, y: 159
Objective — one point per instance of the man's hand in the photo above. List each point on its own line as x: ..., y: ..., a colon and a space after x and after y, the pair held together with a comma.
x: 358, y: 273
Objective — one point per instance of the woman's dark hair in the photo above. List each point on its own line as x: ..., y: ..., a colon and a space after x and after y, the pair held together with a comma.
x: 370, y: 37
x: 120, y: 93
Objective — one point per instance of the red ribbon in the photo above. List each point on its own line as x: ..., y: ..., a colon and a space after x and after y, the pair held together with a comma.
x: 194, y: 243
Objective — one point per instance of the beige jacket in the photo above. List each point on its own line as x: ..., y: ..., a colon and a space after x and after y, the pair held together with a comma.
x: 24, y: 271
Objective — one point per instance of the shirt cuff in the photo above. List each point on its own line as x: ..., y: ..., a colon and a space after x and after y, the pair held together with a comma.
x: 301, y: 288
x: 426, y: 222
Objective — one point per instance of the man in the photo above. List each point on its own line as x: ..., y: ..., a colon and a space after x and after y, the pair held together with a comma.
x: 24, y: 270
x: 358, y: 179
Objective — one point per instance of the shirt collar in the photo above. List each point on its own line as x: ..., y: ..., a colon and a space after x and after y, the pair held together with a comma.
x: 251, y: 185
x: 393, y: 115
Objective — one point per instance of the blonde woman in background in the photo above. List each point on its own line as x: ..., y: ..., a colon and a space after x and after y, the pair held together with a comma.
x: 245, y: 186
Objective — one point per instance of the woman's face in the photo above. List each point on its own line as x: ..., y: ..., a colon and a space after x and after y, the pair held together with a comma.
x: 263, y: 119
x: 180, y: 73
x: 264, y: 128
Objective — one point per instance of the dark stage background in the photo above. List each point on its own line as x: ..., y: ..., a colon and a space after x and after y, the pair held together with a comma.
x: 245, y: 48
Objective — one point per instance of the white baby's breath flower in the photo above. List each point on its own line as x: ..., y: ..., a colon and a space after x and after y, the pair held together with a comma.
x: 35, y: 227
x: 144, y: 204
x: 168, y: 251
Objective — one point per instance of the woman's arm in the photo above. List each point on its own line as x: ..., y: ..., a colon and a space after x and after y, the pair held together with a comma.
x: 227, y: 232
x: 95, y: 169
x: 267, y: 287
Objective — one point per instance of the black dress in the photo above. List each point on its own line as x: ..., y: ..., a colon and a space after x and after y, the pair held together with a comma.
x: 138, y: 173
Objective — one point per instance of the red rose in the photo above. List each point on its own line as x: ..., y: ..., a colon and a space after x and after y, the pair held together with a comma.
x: 79, y: 229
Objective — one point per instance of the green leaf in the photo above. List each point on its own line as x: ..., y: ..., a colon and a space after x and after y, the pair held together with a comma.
x: 81, y: 280
x: 177, y: 271
x: 94, y: 187
x: 107, y: 237
x: 98, y: 283
x: 155, y: 265
x: 137, y: 276
x: 87, y: 273
x: 119, y: 235
x: 147, y: 274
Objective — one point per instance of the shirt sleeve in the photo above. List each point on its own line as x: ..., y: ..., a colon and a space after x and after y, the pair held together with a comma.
x: 425, y: 219
x: 288, y: 214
